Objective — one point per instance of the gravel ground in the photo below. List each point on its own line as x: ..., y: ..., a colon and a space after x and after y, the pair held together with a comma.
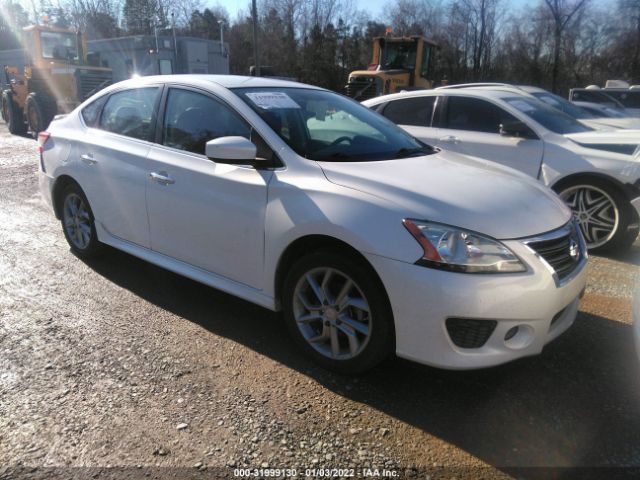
x: 119, y: 369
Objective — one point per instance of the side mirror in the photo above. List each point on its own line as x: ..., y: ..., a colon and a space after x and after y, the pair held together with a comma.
x: 517, y: 129
x: 231, y: 150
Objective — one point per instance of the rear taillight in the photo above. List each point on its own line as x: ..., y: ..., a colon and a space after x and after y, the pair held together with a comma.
x: 42, y: 139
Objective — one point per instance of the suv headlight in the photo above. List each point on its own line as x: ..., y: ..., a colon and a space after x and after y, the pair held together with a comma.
x: 458, y: 250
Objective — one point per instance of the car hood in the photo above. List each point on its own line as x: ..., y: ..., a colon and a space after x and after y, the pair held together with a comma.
x: 608, y: 123
x: 604, y: 137
x: 457, y: 190
x: 622, y: 142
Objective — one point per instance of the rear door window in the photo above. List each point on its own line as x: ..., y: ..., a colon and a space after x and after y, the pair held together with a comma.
x: 130, y: 112
x: 416, y: 111
x: 475, y: 114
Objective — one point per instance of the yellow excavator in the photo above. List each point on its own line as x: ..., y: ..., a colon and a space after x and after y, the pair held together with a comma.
x: 399, y: 63
x: 51, y: 75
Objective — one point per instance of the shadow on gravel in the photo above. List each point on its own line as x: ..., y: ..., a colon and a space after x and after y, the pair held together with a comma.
x: 631, y: 256
x: 577, y: 404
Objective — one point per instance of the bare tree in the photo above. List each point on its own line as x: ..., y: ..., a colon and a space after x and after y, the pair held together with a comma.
x: 562, y: 11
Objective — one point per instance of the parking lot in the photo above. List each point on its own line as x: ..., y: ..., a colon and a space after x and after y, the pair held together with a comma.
x: 116, y: 367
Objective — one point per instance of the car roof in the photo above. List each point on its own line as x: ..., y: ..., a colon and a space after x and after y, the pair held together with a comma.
x: 227, y: 81
x: 480, y: 92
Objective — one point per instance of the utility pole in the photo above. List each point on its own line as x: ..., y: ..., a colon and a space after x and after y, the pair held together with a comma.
x: 221, y: 23
x: 175, y: 43
x: 256, y: 54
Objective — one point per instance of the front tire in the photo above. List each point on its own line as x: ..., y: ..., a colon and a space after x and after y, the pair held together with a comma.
x: 606, y: 217
x: 13, y: 114
x: 337, y: 311
x: 78, y: 223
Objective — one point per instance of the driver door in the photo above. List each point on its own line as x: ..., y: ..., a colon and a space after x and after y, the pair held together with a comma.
x: 206, y: 214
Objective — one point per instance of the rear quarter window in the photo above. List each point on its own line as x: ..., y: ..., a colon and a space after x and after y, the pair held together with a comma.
x: 91, y: 113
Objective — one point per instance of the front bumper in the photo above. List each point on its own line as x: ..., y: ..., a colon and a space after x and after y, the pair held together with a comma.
x: 422, y: 299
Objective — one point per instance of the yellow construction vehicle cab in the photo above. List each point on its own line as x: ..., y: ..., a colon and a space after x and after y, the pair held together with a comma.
x: 50, y: 75
x: 399, y: 63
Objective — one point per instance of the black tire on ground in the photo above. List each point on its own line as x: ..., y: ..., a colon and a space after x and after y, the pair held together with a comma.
x: 4, y: 108
x: 41, y: 109
x: 627, y: 227
x: 381, y: 340
x: 14, y: 118
x: 73, y: 192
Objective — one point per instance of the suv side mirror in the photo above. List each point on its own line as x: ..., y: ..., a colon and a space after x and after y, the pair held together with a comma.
x: 518, y: 129
x: 231, y: 150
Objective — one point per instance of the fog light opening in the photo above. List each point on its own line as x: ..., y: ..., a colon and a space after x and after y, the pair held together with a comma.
x: 519, y: 337
x: 511, y: 333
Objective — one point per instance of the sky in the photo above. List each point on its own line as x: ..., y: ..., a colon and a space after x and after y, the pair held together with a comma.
x: 374, y: 7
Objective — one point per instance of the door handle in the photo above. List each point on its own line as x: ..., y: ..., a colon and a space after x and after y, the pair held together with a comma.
x: 88, y: 159
x: 450, y: 139
x: 162, y: 178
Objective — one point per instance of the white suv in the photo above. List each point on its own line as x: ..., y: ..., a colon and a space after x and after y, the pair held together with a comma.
x: 595, y: 172
x: 299, y: 199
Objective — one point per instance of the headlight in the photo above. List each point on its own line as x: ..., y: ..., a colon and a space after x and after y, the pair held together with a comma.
x: 451, y: 248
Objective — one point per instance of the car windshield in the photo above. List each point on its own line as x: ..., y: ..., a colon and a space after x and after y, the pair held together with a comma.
x: 324, y: 126
x: 564, y: 105
x: 547, y: 116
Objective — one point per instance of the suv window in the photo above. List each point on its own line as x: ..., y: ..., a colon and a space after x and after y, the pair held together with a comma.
x: 628, y: 98
x: 411, y: 111
x: 475, y: 114
x: 91, y: 113
x: 192, y: 119
x: 593, y: 96
x: 129, y: 112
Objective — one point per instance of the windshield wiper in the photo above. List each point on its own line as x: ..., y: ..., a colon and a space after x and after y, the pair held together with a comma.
x: 412, y: 152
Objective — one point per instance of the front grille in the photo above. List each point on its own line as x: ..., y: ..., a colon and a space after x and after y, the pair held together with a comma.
x: 363, y: 88
x: 563, y: 253
x: 468, y: 333
x: 92, y: 81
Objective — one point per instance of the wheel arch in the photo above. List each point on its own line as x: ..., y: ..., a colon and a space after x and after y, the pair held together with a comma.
x: 314, y: 243
x: 62, y: 182
x: 626, y: 189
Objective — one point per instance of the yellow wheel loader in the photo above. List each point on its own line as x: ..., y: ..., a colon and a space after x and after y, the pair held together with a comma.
x: 51, y: 75
x: 399, y: 63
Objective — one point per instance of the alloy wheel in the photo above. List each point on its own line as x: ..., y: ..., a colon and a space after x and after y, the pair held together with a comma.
x: 332, y: 313
x: 596, y: 212
x: 77, y: 221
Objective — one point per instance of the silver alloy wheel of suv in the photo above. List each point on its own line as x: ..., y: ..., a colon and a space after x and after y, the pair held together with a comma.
x: 596, y: 212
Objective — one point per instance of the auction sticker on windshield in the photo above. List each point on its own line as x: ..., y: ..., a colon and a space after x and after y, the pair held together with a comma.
x: 268, y: 100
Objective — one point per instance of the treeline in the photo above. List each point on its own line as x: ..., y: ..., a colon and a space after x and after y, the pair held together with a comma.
x: 556, y: 44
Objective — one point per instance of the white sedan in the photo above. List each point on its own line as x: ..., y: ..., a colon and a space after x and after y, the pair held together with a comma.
x: 596, y: 172
x: 301, y: 200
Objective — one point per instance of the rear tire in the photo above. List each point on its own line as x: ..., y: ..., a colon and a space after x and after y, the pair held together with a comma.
x: 607, y: 219
x: 337, y: 311
x: 78, y: 223
x: 14, y: 118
